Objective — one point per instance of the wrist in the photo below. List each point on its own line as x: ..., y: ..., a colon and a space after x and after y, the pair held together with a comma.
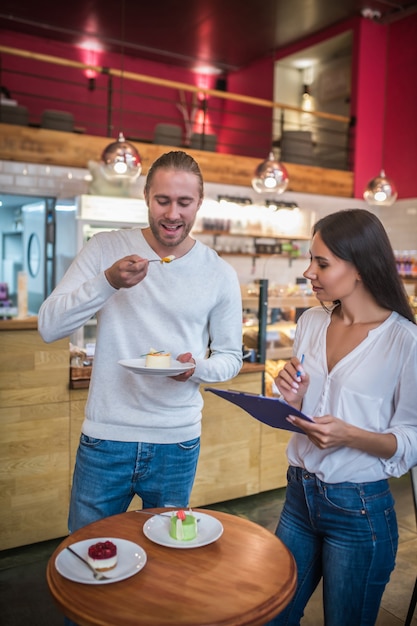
x: 109, y: 280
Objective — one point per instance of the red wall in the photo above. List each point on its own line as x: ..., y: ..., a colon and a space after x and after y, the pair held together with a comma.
x: 138, y: 107
x: 67, y: 88
x: 386, y: 129
x: 248, y: 128
x: 384, y: 102
x: 401, y: 117
x: 242, y: 128
x: 368, y: 101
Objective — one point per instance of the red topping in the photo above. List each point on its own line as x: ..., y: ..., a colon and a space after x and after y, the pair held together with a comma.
x: 181, y: 515
x: 102, y: 550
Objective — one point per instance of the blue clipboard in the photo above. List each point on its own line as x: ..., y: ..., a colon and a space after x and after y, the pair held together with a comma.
x: 270, y: 411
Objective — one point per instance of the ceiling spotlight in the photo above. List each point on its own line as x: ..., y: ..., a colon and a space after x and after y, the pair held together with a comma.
x: 371, y: 14
x: 270, y: 176
x: 121, y: 160
x: 380, y: 191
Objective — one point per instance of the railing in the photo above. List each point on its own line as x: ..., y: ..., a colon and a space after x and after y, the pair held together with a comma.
x: 114, y: 100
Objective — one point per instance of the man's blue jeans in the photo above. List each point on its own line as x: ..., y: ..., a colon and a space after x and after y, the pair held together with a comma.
x: 108, y: 474
x: 346, y: 533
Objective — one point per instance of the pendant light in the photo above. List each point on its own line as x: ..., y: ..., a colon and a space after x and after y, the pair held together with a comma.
x: 120, y: 160
x: 381, y: 191
x: 270, y: 176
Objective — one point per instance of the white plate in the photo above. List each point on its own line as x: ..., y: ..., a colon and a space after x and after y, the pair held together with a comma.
x: 157, y: 530
x: 138, y: 367
x: 131, y: 558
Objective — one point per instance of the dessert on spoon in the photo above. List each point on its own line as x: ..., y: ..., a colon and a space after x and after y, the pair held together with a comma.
x: 165, y: 259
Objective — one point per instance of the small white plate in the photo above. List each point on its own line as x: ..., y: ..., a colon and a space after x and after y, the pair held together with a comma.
x: 131, y: 558
x: 138, y: 367
x: 157, y: 530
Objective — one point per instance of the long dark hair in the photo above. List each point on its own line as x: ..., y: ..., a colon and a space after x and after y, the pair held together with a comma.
x: 358, y: 236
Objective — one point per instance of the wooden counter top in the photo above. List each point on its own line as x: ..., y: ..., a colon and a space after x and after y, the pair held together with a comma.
x: 248, y: 368
x: 80, y: 376
x: 26, y: 323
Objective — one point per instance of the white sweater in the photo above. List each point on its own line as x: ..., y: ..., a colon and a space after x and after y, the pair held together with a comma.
x: 373, y: 387
x: 190, y: 305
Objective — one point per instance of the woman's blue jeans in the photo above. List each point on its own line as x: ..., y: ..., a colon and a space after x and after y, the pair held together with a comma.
x: 108, y: 474
x: 345, y: 533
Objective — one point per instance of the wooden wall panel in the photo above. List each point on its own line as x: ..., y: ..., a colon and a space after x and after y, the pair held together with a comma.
x: 273, y: 461
x: 39, y: 145
x: 40, y: 424
x: 34, y: 435
x: 232, y: 460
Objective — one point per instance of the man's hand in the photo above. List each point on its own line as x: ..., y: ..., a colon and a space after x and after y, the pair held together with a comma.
x: 127, y: 272
x: 187, y: 357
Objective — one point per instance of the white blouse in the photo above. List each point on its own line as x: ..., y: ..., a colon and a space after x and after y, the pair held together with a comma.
x: 373, y: 387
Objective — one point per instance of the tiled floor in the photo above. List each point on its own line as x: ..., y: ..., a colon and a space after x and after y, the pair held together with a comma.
x: 25, y: 599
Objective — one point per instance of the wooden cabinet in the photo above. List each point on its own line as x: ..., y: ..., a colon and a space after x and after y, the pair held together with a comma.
x: 40, y: 425
x: 34, y: 432
x: 239, y: 455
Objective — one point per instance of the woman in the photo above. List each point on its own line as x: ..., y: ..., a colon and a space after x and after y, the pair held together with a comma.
x: 358, y: 381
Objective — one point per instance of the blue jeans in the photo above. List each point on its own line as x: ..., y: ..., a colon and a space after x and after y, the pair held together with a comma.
x: 108, y: 474
x: 345, y: 533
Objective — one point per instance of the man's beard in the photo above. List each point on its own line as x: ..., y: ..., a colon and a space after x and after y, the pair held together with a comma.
x: 186, y: 229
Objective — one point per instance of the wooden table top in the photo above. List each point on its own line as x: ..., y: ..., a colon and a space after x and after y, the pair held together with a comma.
x: 17, y: 323
x: 244, y: 578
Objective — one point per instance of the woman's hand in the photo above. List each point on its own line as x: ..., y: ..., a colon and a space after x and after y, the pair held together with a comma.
x: 325, y: 432
x: 328, y: 431
x: 127, y: 272
x: 292, y: 382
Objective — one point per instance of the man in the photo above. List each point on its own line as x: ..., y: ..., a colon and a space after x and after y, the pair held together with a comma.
x: 141, y: 433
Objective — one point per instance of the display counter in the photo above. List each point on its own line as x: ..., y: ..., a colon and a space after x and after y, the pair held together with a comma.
x: 40, y: 422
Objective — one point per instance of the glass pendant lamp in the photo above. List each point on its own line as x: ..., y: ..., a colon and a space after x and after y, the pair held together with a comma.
x: 380, y: 191
x: 120, y: 160
x: 270, y: 176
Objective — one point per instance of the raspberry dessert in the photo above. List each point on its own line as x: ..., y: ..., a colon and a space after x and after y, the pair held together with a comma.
x: 102, y: 555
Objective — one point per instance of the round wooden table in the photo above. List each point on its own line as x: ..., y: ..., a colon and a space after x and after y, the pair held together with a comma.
x: 245, y: 577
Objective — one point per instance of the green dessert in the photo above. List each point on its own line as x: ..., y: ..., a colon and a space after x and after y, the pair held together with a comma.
x: 183, y: 526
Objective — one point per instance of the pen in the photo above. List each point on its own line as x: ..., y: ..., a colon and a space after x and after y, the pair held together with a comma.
x: 301, y: 362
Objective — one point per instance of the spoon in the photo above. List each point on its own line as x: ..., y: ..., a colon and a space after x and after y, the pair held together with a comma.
x: 165, y: 259
x: 153, y: 514
x: 167, y: 514
x: 97, y: 575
